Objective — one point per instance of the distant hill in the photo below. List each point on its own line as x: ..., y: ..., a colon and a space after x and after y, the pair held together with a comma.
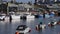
x: 24, y: 1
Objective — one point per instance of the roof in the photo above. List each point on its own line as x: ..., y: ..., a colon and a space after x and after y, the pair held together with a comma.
x: 21, y: 27
x: 26, y: 5
x: 12, y: 5
x: 53, y: 6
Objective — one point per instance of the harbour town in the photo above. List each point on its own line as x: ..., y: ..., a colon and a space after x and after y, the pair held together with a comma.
x: 29, y: 16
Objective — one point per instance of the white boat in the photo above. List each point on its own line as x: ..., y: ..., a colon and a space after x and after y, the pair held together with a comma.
x: 47, y: 16
x: 2, y: 17
x: 54, y: 23
x: 15, y: 16
x: 30, y: 17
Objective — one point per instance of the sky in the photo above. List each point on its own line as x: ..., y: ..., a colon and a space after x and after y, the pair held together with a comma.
x: 24, y: 1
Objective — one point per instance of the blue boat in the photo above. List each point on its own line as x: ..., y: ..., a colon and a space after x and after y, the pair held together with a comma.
x: 40, y: 16
x: 52, y: 15
x: 47, y: 15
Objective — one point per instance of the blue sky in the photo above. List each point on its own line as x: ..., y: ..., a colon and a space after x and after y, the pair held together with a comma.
x: 25, y: 1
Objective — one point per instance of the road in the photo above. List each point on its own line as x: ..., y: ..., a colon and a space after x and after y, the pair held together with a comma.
x: 7, y: 27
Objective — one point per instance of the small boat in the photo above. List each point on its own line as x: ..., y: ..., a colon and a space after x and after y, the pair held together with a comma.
x: 40, y: 26
x: 52, y: 23
x: 41, y: 16
x: 2, y: 17
x: 47, y: 16
x: 30, y: 16
x: 52, y: 14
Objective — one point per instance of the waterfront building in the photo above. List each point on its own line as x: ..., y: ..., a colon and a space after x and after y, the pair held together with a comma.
x: 3, y: 7
x: 46, y: 1
x: 17, y: 8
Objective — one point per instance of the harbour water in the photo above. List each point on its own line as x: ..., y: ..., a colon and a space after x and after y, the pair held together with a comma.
x: 7, y: 27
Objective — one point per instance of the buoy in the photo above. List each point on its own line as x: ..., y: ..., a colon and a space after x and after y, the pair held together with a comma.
x: 17, y: 32
x: 58, y: 22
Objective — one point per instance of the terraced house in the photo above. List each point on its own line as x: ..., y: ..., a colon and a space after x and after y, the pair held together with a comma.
x: 46, y: 1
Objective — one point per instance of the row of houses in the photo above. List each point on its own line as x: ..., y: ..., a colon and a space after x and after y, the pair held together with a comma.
x: 7, y: 7
x: 46, y: 1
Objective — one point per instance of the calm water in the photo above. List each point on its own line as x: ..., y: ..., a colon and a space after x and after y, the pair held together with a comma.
x: 7, y: 27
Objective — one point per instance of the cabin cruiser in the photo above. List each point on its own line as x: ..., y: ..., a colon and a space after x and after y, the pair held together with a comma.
x: 30, y: 16
x: 23, y: 17
x: 14, y: 16
x: 27, y: 16
x: 2, y: 16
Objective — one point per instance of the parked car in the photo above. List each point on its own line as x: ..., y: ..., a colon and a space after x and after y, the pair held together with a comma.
x: 22, y: 29
x: 2, y: 17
